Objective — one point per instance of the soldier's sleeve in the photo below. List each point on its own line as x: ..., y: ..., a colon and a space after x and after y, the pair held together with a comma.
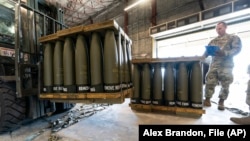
x: 235, y: 45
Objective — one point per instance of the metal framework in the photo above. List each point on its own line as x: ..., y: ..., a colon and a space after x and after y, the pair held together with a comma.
x: 27, y: 48
x: 79, y: 11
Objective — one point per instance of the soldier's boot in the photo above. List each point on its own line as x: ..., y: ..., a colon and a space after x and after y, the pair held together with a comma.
x: 207, y: 102
x: 221, y: 104
x: 242, y: 120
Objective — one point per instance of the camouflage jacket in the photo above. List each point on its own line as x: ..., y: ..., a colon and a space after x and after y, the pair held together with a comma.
x: 230, y: 45
x: 248, y: 69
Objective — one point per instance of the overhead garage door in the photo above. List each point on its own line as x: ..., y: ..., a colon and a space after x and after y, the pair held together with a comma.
x: 194, y: 44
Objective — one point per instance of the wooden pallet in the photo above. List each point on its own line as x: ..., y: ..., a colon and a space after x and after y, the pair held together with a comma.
x: 168, y: 109
x: 113, y: 98
x: 48, y: 38
x: 86, y: 30
x: 164, y: 60
x: 70, y: 31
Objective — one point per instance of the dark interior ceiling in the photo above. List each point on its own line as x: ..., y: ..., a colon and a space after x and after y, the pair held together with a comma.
x: 77, y: 12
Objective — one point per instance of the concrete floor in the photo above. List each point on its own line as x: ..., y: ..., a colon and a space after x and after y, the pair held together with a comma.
x: 119, y: 123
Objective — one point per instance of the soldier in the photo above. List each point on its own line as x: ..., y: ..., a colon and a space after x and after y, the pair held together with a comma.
x: 221, y: 66
x: 244, y: 120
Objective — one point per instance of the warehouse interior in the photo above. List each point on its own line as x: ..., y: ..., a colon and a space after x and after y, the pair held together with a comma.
x: 158, y: 29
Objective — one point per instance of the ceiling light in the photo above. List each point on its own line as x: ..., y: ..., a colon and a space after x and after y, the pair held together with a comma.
x: 133, y: 5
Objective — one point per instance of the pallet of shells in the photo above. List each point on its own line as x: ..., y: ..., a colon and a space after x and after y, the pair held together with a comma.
x: 170, y: 85
x: 87, y: 63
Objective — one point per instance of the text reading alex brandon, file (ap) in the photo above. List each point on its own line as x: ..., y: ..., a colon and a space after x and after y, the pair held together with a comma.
x: 232, y: 132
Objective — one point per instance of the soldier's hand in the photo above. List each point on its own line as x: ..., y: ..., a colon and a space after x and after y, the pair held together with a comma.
x: 219, y: 53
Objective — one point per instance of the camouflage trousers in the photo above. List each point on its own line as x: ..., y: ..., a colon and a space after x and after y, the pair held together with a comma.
x: 248, y: 93
x: 215, y: 76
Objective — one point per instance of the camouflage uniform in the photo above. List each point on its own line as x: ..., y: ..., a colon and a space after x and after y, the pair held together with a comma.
x: 221, y: 67
x: 244, y: 120
x: 248, y: 88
